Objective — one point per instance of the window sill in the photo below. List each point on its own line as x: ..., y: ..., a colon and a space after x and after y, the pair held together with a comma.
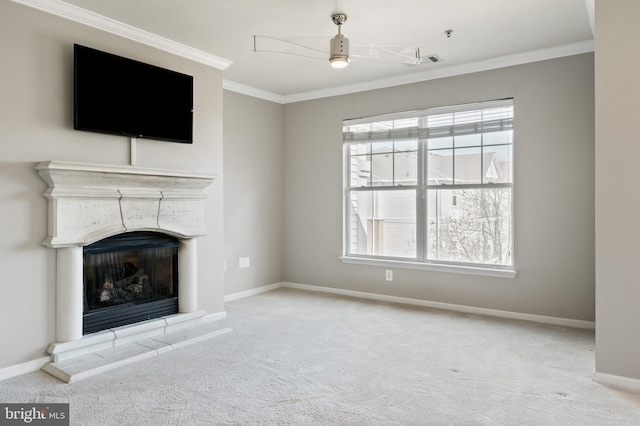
x: 468, y: 270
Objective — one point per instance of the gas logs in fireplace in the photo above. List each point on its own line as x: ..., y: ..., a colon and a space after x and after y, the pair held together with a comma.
x: 128, y: 278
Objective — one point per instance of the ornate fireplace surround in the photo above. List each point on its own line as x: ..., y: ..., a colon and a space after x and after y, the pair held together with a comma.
x: 89, y: 202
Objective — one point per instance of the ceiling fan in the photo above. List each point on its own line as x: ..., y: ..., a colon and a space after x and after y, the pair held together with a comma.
x: 340, y: 52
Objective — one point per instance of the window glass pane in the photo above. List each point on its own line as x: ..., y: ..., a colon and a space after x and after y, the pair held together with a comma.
x: 405, y: 168
x: 360, y: 170
x: 406, y: 146
x: 360, y: 149
x: 496, y: 138
x: 497, y: 164
x: 470, y: 226
x: 382, y: 223
x: 468, y: 168
x: 385, y: 167
x: 380, y: 147
x: 382, y: 169
x: 468, y: 140
x: 440, y: 167
x: 437, y: 143
x: 359, y: 164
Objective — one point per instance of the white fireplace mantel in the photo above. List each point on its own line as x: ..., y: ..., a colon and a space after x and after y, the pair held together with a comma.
x: 89, y: 202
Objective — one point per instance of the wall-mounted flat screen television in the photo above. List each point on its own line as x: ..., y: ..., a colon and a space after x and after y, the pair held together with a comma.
x: 117, y: 95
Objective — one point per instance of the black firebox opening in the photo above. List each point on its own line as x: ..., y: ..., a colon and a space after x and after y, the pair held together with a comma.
x: 129, y: 278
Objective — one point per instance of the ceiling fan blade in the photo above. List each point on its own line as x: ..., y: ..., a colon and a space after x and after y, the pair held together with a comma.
x: 390, y: 53
x: 305, y: 47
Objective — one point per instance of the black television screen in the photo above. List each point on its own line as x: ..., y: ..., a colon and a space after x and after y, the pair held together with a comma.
x: 121, y: 96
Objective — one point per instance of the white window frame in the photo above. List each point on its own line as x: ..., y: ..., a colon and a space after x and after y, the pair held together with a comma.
x: 420, y: 262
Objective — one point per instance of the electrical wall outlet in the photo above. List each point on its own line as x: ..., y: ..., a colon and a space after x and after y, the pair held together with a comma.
x: 243, y: 262
x: 388, y: 274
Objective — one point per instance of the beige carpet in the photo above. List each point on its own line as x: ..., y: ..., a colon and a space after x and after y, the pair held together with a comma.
x: 302, y: 358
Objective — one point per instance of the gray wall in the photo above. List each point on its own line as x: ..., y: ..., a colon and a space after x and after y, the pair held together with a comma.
x: 253, y: 191
x: 617, y: 69
x: 36, y: 124
x: 554, y: 190
x: 283, y: 182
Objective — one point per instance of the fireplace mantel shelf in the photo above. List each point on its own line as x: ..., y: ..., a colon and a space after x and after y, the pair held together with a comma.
x: 114, y: 169
x: 89, y: 202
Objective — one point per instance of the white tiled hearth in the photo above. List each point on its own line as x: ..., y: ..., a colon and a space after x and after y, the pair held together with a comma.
x: 89, y: 202
x: 110, y: 349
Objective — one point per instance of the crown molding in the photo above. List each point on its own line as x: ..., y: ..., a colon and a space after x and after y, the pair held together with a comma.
x: 252, y: 91
x: 450, y: 71
x: 94, y: 20
x: 454, y: 70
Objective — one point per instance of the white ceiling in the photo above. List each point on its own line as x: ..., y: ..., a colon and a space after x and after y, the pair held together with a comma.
x: 484, y: 32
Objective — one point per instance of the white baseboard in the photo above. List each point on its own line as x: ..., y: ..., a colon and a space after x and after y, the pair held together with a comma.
x: 251, y: 292
x: 24, y: 368
x: 217, y: 316
x: 618, y: 381
x: 566, y: 322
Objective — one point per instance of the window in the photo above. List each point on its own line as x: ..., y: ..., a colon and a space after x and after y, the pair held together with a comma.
x: 432, y: 186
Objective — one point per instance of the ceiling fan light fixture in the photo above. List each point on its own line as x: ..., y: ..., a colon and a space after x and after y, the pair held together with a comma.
x: 339, y: 47
x: 339, y: 51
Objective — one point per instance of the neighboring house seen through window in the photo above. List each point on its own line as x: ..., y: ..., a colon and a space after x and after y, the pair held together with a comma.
x: 432, y: 186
